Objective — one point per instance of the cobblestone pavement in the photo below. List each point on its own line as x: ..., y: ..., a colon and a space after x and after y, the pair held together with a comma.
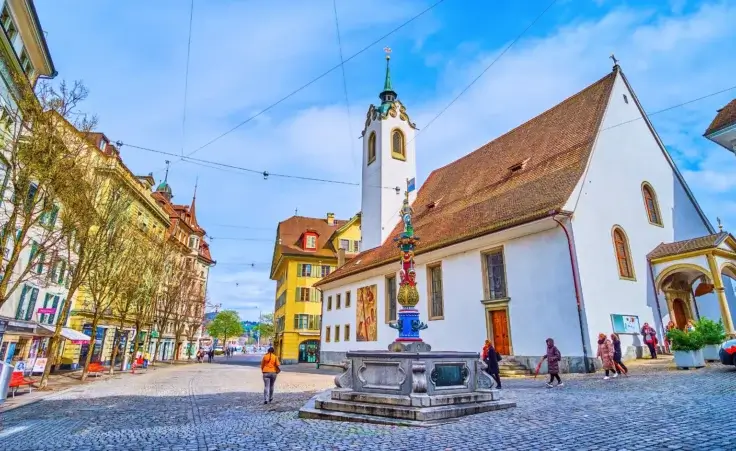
x: 219, y: 407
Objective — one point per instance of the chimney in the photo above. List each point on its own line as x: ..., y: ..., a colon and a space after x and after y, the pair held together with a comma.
x: 340, y: 257
x: 330, y: 219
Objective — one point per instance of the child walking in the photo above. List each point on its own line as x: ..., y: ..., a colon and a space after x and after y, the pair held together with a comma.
x: 605, y: 352
x: 553, y: 358
x: 620, y: 367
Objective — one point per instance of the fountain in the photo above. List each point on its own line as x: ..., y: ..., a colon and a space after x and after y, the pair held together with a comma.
x: 409, y: 384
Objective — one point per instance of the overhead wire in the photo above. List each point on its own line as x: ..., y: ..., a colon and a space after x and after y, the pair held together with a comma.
x: 266, y: 174
x: 186, y: 78
x: 486, y: 69
x: 344, y: 84
x: 316, y: 79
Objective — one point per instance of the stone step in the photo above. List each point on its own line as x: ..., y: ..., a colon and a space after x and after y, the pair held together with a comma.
x: 411, y: 413
x: 415, y: 401
x: 509, y: 373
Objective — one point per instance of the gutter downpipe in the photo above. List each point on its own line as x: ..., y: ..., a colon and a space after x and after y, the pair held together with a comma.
x: 577, y: 290
x: 659, y: 310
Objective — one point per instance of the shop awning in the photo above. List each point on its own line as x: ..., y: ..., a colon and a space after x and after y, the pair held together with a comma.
x: 74, y: 336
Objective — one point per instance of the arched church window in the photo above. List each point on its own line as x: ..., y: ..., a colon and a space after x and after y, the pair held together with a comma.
x: 650, y: 203
x: 372, y: 148
x: 623, y: 253
x: 398, y: 149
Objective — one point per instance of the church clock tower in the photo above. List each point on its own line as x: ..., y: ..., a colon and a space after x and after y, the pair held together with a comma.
x: 389, y: 161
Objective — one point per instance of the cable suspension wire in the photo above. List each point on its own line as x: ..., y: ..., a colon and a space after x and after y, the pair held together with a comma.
x: 266, y: 174
x: 186, y: 78
x: 493, y: 62
x: 314, y: 80
x: 344, y: 84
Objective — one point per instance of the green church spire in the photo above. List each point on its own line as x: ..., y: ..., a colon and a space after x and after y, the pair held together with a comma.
x: 388, y: 95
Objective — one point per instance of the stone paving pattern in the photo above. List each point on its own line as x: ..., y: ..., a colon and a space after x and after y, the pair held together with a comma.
x: 219, y: 407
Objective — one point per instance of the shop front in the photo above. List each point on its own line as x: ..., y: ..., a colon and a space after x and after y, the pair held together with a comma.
x: 23, y: 341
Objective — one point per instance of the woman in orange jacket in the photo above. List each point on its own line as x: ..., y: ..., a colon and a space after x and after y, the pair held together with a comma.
x: 270, y: 367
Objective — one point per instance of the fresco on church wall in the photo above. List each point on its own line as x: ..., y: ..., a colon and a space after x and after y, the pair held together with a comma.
x: 365, y: 316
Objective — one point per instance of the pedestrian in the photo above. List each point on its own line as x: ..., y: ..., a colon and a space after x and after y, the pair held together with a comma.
x: 210, y: 355
x: 620, y: 367
x: 270, y: 367
x: 553, y: 358
x: 491, y: 359
x: 605, y: 352
x: 650, y: 338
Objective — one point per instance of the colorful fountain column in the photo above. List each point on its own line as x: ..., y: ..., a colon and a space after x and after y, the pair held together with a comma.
x: 408, y: 323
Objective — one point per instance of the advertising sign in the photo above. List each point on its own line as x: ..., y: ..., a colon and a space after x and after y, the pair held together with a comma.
x: 625, y: 324
x: 39, y: 365
x: 47, y: 311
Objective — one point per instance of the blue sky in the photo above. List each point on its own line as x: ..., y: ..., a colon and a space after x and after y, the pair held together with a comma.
x: 247, y: 54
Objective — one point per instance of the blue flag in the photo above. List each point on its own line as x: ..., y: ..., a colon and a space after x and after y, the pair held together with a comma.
x: 410, y: 185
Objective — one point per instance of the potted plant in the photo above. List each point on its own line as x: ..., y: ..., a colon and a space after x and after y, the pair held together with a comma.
x: 687, y: 348
x: 713, y: 335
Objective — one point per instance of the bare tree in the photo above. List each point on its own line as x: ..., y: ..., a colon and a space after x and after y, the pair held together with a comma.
x: 38, y: 173
x: 107, y: 279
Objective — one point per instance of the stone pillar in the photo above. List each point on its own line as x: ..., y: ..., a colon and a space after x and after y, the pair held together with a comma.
x: 722, y: 301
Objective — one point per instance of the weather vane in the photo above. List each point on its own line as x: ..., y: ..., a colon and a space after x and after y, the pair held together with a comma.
x: 613, y: 58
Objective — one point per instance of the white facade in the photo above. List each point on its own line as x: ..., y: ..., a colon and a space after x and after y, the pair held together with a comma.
x: 543, y: 266
x: 623, y: 158
x: 380, y: 203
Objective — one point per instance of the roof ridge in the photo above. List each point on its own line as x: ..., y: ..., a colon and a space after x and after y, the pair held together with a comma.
x: 548, y: 110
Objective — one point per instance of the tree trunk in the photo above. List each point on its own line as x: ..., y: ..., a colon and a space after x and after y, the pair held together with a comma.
x: 115, y: 346
x: 55, y: 341
x: 85, y: 370
x: 155, y: 352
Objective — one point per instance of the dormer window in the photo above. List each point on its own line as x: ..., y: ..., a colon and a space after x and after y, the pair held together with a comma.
x: 310, y: 241
x: 518, y: 166
x: 103, y: 144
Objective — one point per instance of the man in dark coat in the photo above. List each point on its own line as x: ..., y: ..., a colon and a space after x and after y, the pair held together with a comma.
x: 491, y: 359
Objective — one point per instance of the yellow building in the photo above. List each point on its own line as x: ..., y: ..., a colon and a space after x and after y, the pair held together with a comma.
x: 149, y: 217
x: 306, y: 250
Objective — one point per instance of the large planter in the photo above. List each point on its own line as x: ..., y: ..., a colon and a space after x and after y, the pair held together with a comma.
x: 689, y: 359
x: 710, y: 352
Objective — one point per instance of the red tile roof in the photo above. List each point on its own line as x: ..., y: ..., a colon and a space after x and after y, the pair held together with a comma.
x: 726, y: 117
x: 290, y: 231
x: 693, y: 244
x: 478, y: 194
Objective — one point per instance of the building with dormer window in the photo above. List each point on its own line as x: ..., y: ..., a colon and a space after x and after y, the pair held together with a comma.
x: 306, y: 250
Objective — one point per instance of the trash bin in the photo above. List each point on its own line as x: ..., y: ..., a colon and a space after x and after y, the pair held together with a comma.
x: 6, y: 372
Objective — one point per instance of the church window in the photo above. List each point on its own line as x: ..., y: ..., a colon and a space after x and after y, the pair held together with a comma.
x: 650, y: 203
x: 623, y: 253
x: 398, y: 145
x: 372, y: 148
x: 329, y: 302
x: 327, y: 334
x: 338, y: 301
x: 436, y: 304
x: 495, y: 270
x: 390, y: 299
x: 337, y: 333
x: 347, y: 332
x: 347, y: 299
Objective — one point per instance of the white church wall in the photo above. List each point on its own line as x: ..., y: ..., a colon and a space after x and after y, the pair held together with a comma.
x: 623, y: 157
x: 542, y: 299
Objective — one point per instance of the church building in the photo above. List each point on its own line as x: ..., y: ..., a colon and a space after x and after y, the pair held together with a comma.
x: 575, y: 223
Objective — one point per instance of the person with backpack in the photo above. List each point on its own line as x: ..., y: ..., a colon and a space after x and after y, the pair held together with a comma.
x: 491, y: 359
x: 553, y: 357
x: 270, y: 367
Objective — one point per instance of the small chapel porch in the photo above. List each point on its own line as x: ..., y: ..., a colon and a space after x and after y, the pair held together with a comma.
x: 692, y: 279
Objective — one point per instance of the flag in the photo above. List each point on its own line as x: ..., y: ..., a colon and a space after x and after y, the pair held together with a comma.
x: 410, y: 185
